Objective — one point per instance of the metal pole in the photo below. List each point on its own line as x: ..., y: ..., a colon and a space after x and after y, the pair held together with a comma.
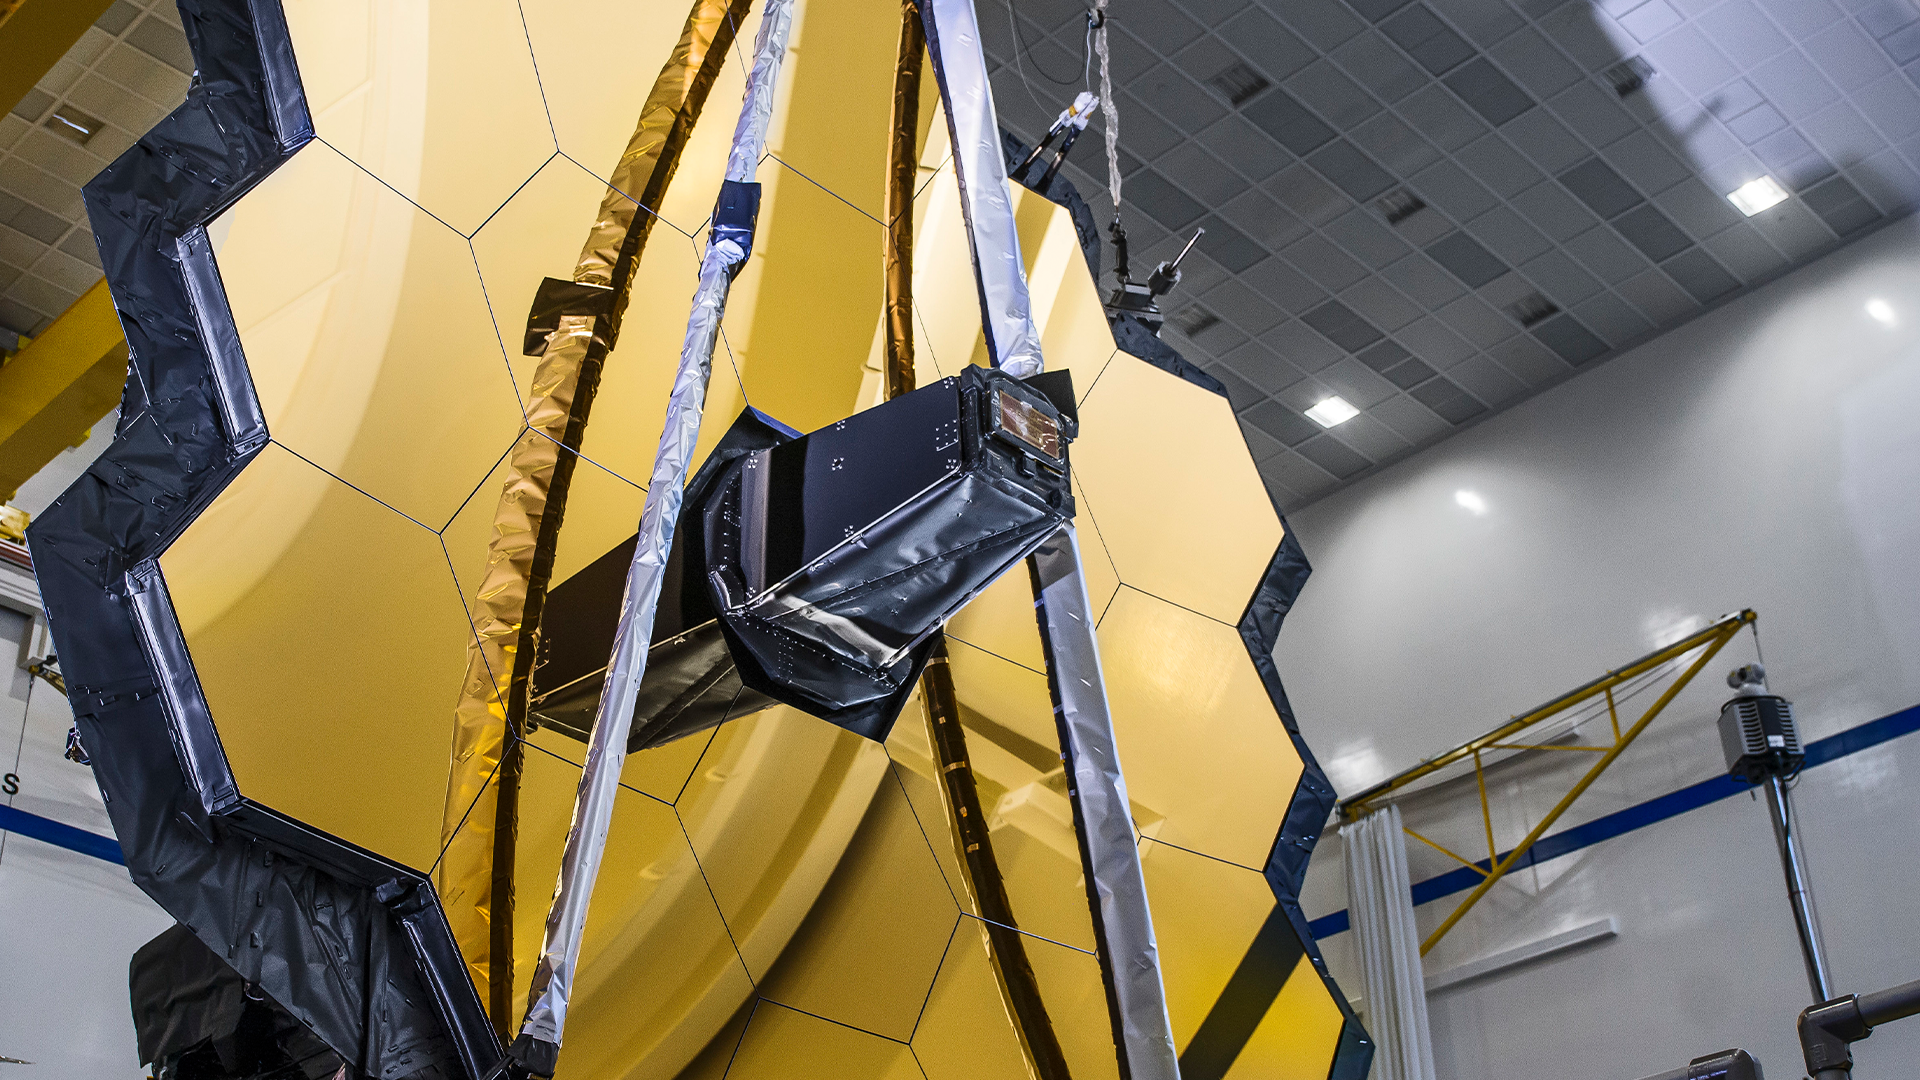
x: 1780, y: 805
x: 539, y: 1043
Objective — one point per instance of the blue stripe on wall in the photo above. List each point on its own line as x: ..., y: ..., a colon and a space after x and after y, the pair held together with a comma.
x: 1821, y: 751
x: 61, y: 835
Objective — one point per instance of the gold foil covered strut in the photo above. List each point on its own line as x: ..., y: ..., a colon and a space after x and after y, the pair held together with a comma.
x: 475, y: 872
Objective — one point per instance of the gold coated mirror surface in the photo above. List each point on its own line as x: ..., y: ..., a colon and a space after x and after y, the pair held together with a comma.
x: 779, y: 898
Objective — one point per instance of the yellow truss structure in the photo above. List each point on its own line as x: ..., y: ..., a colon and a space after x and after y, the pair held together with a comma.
x: 1710, y: 640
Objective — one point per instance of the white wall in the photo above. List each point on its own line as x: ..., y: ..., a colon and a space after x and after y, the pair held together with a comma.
x: 69, y: 923
x: 1766, y: 455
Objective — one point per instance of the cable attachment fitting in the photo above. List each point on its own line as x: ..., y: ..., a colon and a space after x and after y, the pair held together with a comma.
x: 734, y: 217
x: 1067, y: 127
x: 1140, y: 299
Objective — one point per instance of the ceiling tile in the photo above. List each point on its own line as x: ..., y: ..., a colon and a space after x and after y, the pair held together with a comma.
x: 1431, y: 42
x: 1361, y: 387
x: 1415, y: 422
x: 1646, y: 228
x: 1641, y: 159
x: 1453, y: 404
x: 1536, y: 63
x: 1487, y: 380
x: 1327, y: 265
x: 1279, y: 282
x: 1177, y: 97
x: 1538, y: 135
x: 1272, y: 47
x: 1744, y: 251
x: 1324, y: 88
x: 1291, y: 125
x: 1488, y: 92
x: 1486, y: 23
x: 1261, y: 445
x: 1351, y: 170
x: 1432, y: 341
x: 1395, y: 145
x: 1259, y: 366
x: 1302, y: 190
x: 1553, y: 211
x: 1745, y: 34
x: 1794, y: 85
x: 1199, y: 172
x: 1301, y: 346
x: 1891, y: 104
x: 1162, y: 25
x: 1337, y: 323
x: 1508, y: 236
x: 1409, y: 373
x: 1575, y: 29
x: 1241, y: 394
x: 1384, y: 356
x: 1847, y: 56
x: 1144, y: 134
x: 1263, y: 220
x: 1498, y: 165
x: 1595, y: 183
x: 1328, y: 452
x: 1474, y: 320
x: 1649, y: 20
x: 1323, y: 23
x: 1604, y: 253
x: 1422, y: 279
x: 1803, y: 18
x: 1153, y: 193
x: 1688, y: 58
x: 1466, y: 259
x: 1529, y: 360
x: 1447, y: 187
x: 1704, y: 279
x: 1697, y: 209
x: 1372, y: 438
x: 1245, y: 147
x: 1372, y: 60
x: 1657, y: 297
x: 1380, y: 303
x: 1605, y: 314
x: 1360, y: 234
x: 1235, y: 300
x: 1889, y: 181
x: 1285, y: 425
x: 1438, y: 115
x: 1570, y: 339
x: 1560, y: 278
x: 1291, y: 471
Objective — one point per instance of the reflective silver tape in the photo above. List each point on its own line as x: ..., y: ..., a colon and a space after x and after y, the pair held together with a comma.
x: 607, y: 747
x: 953, y: 41
x: 1108, y: 847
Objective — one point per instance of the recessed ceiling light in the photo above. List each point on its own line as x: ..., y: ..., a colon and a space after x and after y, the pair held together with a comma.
x: 1881, y: 311
x: 1471, y: 501
x: 1756, y: 195
x: 1332, y: 412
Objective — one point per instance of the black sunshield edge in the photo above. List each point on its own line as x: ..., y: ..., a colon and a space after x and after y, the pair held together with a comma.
x: 337, y: 919
x: 1313, y: 796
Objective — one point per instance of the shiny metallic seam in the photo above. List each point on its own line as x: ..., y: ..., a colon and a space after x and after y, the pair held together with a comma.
x: 1108, y: 846
x: 475, y: 872
x: 953, y: 37
x: 606, y: 749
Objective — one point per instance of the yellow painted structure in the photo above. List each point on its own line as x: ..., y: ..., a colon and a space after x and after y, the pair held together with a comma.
x: 59, y: 386
x: 34, y: 35
x: 777, y: 896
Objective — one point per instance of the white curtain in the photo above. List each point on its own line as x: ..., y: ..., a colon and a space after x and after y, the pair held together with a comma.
x: 1380, y: 903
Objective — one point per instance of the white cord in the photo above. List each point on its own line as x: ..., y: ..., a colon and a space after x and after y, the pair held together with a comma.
x: 1108, y: 110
